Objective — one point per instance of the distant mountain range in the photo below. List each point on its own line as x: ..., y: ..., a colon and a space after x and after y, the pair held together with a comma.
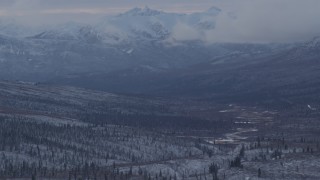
x: 145, y: 51
x: 136, y: 38
x: 284, y: 76
x: 137, y: 23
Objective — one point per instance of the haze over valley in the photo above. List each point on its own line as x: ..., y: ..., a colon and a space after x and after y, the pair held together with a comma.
x: 148, y: 90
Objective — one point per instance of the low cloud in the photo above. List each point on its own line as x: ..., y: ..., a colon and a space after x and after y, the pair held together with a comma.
x: 268, y: 21
x: 183, y: 32
x: 240, y: 20
x: 259, y: 21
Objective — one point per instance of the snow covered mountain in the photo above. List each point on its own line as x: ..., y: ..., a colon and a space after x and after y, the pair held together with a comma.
x: 10, y: 28
x: 134, y: 41
x: 283, y: 76
x: 314, y: 44
x: 135, y: 24
x: 157, y: 25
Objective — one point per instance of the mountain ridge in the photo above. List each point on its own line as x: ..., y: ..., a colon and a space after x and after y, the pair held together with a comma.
x: 135, y: 24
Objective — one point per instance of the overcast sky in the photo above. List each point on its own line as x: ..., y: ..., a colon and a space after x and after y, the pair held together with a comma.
x: 257, y: 20
x: 71, y: 9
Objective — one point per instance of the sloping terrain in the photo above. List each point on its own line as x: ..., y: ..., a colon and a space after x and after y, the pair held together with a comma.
x: 52, y: 131
x: 140, y: 38
x: 171, y: 107
x: 288, y: 76
x: 65, y: 132
x: 37, y: 60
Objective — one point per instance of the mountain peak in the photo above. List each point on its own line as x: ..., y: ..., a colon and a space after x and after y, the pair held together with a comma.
x: 214, y: 10
x: 316, y: 40
x: 314, y: 43
x: 146, y: 11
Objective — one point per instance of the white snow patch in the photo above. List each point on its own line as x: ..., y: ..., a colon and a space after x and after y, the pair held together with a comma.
x: 313, y: 109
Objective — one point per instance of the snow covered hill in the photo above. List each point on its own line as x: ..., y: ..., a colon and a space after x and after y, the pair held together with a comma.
x: 10, y: 27
x: 141, y: 37
x: 139, y: 40
x: 136, y: 24
x: 157, y: 25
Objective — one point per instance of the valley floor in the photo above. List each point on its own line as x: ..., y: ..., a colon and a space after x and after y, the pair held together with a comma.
x: 69, y: 133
